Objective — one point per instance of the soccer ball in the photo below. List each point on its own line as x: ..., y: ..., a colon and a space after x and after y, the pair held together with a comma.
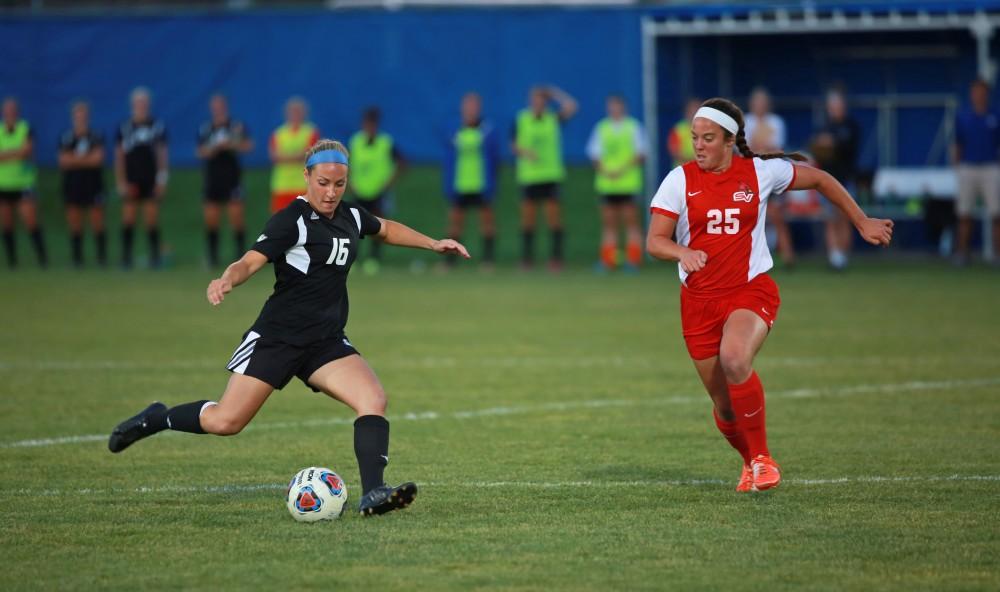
x: 316, y: 493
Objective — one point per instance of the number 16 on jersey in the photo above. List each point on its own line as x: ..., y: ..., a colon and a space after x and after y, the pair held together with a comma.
x: 339, y: 253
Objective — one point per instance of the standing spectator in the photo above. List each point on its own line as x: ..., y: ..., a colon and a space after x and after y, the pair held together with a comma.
x: 765, y: 133
x: 837, y: 145
x: 287, y: 150
x: 141, y: 173
x: 376, y: 164
x: 617, y: 147
x: 537, y: 145
x: 679, y: 144
x: 470, y: 172
x: 220, y: 143
x: 81, y: 159
x: 977, y: 157
x: 17, y: 182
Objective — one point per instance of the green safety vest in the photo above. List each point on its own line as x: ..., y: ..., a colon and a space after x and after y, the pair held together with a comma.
x: 371, y: 164
x: 618, y: 152
x: 543, y: 136
x: 682, y: 131
x: 470, y: 166
x: 15, y: 175
x: 287, y: 177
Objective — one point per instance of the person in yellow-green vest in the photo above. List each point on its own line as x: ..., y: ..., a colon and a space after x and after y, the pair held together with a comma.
x: 17, y: 182
x: 537, y: 146
x: 287, y: 149
x: 617, y: 147
x: 376, y: 164
x: 470, y: 172
x: 679, y: 143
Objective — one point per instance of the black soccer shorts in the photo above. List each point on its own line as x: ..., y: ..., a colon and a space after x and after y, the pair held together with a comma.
x: 276, y: 362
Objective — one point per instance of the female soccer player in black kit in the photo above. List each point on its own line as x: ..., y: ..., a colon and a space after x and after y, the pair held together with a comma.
x: 300, y: 331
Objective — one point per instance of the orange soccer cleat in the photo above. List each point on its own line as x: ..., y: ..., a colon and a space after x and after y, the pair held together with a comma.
x: 746, y: 480
x: 766, y: 473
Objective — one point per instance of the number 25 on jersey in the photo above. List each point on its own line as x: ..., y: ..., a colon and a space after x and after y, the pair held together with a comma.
x: 339, y: 253
x: 719, y: 221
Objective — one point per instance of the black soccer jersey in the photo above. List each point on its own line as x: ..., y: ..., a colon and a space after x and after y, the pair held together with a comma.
x: 139, y: 140
x: 312, y: 255
x: 223, y: 168
x: 88, y: 182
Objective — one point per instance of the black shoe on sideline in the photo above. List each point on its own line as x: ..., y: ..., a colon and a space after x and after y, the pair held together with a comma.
x: 386, y: 499
x: 134, y: 428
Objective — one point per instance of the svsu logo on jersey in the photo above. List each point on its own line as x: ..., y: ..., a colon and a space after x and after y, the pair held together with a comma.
x: 744, y: 193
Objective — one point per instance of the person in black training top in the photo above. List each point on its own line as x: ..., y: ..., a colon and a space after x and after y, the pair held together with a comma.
x: 81, y: 159
x: 220, y: 143
x: 300, y: 331
x: 141, y: 174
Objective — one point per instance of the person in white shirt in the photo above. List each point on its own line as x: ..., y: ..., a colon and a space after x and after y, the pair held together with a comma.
x: 765, y: 132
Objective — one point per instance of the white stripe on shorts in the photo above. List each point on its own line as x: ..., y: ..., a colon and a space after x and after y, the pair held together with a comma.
x: 241, y: 357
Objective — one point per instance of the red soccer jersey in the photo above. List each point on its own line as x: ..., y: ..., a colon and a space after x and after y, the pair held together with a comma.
x: 723, y: 215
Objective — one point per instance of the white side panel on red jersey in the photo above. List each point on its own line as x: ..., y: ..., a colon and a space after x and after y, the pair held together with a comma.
x: 774, y: 175
x: 671, y: 198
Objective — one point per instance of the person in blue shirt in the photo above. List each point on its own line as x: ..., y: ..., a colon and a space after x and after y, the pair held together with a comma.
x: 976, y: 154
x: 469, y: 174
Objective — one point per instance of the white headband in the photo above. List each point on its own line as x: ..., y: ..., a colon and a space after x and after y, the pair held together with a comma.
x: 728, y: 123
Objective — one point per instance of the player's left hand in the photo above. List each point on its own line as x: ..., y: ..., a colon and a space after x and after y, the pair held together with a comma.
x: 217, y: 290
x: 876, y: 231
x: 450, y: 246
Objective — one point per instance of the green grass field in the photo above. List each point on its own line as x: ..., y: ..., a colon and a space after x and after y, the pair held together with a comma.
x: 554, y: 423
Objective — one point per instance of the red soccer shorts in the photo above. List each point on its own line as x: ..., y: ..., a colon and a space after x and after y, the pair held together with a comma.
x: 702, y: 318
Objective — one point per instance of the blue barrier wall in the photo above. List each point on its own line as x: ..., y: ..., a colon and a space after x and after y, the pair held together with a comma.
x: 414, y: 64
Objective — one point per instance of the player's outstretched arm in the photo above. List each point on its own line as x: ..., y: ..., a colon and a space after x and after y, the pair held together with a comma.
x: 874, y: 230
x: 394, y: 233
x: 237, y: 273
x: 660, y: 244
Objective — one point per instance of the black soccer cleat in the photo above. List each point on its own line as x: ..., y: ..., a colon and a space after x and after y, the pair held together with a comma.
x: 386, y: 499
x: 134, y: 428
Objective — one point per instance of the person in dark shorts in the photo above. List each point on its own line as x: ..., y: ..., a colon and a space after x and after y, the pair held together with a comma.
x: 313, y: 242
x: 378, y: 164
x: 470, y: 173
x: 536, y: 140
x: 141, y: 174
x: 221, y: 141
x: 81, y: 160
x: 17, y: 182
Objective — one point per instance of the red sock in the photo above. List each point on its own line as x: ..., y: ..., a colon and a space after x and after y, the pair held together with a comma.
x: 748, y: 405
x: 609, y: 255
x: 634, y: 253
x: 734, y: 435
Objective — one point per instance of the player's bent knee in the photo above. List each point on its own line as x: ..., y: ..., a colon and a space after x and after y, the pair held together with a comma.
x: 222, y: 426
x: 736, y: 364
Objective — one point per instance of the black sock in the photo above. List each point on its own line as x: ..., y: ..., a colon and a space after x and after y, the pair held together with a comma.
x: 212, y: 236
x: 528, y: 246
x: 128, y: 234
x: 182, y: 418
x: 489, y: 248
x: 10, y: 246
x: 557, y: 244
x: 154, y: 246
x: 76, y: 248
x: 39, y: 242
x: 371, y: 446
x: 101, y: 238
x: 240, y: 237
x: 377, y: 250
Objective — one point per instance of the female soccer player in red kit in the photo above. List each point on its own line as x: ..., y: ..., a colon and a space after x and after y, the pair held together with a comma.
x: 716, y: 204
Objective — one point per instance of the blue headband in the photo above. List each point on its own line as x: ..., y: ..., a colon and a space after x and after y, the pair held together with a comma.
x: 324, y: 156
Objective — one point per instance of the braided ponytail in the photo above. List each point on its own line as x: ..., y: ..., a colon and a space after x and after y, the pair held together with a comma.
x: 729, y: 108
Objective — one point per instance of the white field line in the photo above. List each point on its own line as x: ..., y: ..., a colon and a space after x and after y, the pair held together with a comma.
x: 802, y: 393
x: 206, y: 489
x: 526, y: 361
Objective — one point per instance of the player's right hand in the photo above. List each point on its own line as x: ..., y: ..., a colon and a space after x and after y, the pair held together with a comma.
x: 217, y: 290
x: 692, y: 260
